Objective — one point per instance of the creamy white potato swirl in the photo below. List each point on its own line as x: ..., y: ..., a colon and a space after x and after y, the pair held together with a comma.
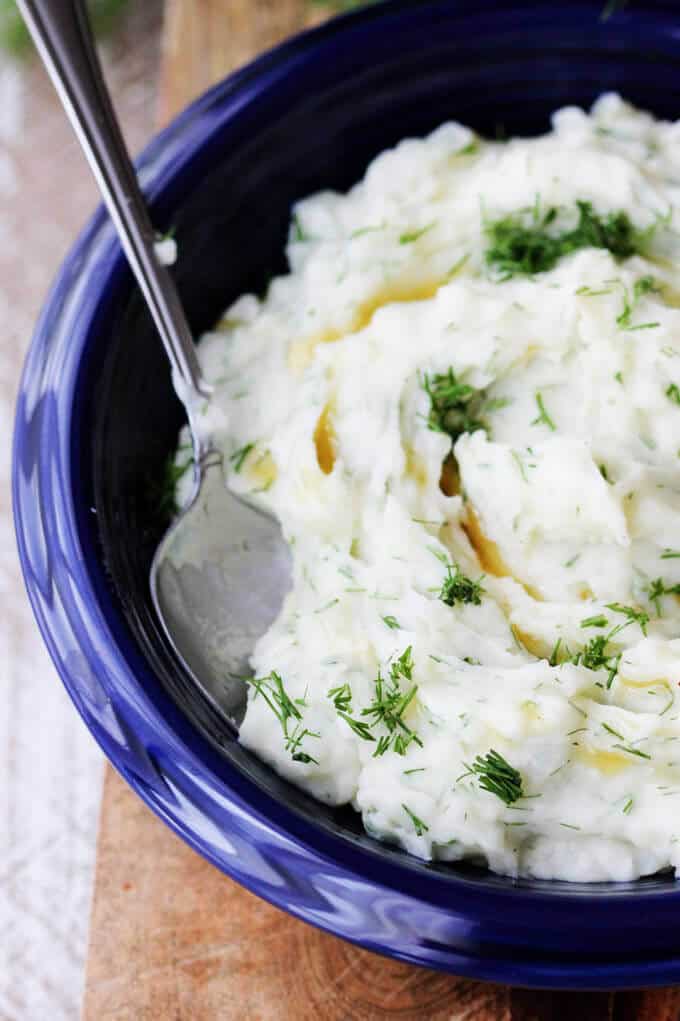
x: 471, y: 436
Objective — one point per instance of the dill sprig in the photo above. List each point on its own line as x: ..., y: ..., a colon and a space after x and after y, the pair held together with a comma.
x: 657, y: 589
x: 458, y: 588
x: 293, y: 743
x: 418, y: 824
x: 632, y: 751
x: 599, y: 621
x: 408, y: 237
x: 391, y: 622
x: 237, y: 459
x: 173, y: 471
x: 633, y: 615
x: 543, y: 418
x: 645, y: 285
x: 455, y: 407
x: 297, y: 231
x: 390, y: 704
x: 498, y: 777
x: 342, y: 700
x: 271, y: 689
x: 527, y: 243
x: 595, y: 656
x: 673, y: 393
x: 556, y: 658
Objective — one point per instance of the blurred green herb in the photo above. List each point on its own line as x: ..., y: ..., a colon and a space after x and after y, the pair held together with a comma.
x: 458, y: 588
x: 419, y: 826
x: 14, y: 35
x: 238, y: 457
x: 455, y: 407
x: 526, y: 243
x: 340, y: 6
x: 612, y: 7
x: 163, y: 493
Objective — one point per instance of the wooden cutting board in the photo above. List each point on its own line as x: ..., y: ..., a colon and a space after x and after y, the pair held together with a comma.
x: 171, y: 938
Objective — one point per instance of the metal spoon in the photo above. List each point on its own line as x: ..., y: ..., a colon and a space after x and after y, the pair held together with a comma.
x: 220, y: 574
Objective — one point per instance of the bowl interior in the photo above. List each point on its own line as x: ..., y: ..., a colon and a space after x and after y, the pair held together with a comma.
x: 317, y: 113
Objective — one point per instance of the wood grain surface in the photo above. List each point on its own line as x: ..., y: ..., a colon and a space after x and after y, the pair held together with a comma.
x: 171, y: 938
x: 205, y: 39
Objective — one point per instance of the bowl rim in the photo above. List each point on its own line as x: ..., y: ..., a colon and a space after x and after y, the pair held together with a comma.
x: 70, y: 603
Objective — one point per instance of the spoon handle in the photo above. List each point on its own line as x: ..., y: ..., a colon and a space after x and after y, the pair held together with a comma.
x: 62, y: 35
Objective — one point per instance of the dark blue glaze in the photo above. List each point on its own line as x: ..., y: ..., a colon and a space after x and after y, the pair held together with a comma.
x: 96, y: 415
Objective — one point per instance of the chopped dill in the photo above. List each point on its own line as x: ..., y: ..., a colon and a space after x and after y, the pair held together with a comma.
x: 297, y: 232
x: 498, y: 777
x: 458, y: 588
x: 543, y: 417
x: 391, y: 622
x: 327, y: 606
x: 599, y: 621
x: 371, y: 229
x: 628, y: 807
x: 673, y: 392
x: 166, y: 502
x: 529, y: 243
x: 645, y: 285
x: 610, y: 730
x: 342, y: 700
x: 520, y: 464
x: 457, y: 266
x: 471, y: 149
x: 410, y: 236
x: 390, y: 704
x: 588, y: 292
x: 238, y: 457
x: 293, y: 743
x: 669, y: 554
x: 455, y: 407
x: 632, y: 751
x: 632, y: 614
x: 418, y: 824
x: 595, y: 656
x: 554, y: 659
x: 657, y: 589
x: 271, y: 689
x: 496, y: 403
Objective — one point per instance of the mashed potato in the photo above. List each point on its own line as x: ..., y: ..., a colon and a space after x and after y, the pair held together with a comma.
x: 463, y: 405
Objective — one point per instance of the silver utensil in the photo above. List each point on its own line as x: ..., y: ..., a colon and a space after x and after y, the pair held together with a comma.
x: 221, y: 572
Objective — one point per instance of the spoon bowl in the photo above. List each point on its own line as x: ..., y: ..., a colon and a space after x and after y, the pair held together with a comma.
x: 218, y: 580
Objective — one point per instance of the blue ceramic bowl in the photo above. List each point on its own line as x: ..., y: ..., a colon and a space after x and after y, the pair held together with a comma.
x: 96, y: 418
